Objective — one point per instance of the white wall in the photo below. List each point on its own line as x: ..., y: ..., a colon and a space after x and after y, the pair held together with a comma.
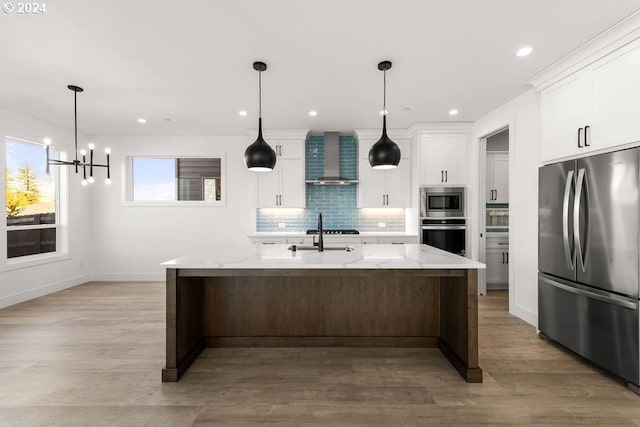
x: 28, y: 278
x: 130, y: 242
x: 522, y: 116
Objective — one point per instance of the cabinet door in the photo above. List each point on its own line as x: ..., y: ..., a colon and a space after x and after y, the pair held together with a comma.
x: 372, y: 186
x: 562, y: 113
x: 500, y: 167
x: 398, y: 190
x: 292, y: 194
x: 269, y: 188
x: 455, y: 159
x: 497, y: 269
x: 489, y: 181
x: 431, y: 159
x: 615, y: 115
x: 289, y: 149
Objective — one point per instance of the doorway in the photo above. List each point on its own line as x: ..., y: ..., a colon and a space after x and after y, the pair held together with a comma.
x: 494, y: 211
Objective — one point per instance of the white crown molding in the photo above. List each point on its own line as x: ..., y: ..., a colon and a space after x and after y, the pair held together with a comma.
x: 280, y: 133
x: 621, y: 34
x: 440, y: 127
x: 376, y: 133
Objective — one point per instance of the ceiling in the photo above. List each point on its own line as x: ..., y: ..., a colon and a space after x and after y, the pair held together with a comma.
x: 186, y: 66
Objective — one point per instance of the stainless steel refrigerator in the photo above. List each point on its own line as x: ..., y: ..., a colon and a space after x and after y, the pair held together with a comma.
x: 588, y: 259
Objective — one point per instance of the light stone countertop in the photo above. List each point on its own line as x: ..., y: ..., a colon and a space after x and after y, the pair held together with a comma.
x: 412, y: 256
x: 304, y: 234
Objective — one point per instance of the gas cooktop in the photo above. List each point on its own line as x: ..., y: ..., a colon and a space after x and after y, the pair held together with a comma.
x: 335, y: 231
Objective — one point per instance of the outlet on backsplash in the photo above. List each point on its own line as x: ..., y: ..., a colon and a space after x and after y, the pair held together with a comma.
x: 382, y: 225
x: 282, y: 225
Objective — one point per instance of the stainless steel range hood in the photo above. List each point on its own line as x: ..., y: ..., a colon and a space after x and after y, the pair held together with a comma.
x: 331, y: 174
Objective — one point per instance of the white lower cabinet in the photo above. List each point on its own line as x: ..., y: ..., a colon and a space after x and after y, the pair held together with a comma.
x: 497, y: 261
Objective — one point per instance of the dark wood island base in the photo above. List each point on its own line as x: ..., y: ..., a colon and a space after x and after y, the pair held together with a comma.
x: 322, y: 308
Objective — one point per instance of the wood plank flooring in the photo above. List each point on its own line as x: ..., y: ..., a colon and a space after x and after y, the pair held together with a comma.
x: 92, y: 355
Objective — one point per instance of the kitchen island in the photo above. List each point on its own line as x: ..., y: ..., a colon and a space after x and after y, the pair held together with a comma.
x: 372, y: 295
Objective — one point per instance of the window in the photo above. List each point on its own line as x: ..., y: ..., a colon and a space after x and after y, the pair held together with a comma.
x: 163, y: 180
x: 31, y: 200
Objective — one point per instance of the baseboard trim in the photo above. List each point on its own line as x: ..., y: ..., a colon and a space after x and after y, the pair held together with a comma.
x: 129, y: 277
x: 40, y: 291
x: 524, y: 314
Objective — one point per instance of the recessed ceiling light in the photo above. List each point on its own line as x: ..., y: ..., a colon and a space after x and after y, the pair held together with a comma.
x: 384, y: 112
x: 524, y: 51
x: 313, y: 113
x: 406, y: 109
x: 243, y: 113
x: 453, y: 112
x: 141, y: 120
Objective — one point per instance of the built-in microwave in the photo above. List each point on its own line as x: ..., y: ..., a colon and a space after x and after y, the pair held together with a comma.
x: 438, y: 202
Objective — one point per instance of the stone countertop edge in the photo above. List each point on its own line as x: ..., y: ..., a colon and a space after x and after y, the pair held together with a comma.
x: 304, y: 234
x: 273, y: 257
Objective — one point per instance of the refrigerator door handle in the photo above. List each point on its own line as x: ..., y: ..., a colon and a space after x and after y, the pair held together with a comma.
x: 570, y: 253
x: 609, y: 299
x: 582, y: 253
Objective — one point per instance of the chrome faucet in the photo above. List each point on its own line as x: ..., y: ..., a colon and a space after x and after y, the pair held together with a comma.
x: 320, y: 240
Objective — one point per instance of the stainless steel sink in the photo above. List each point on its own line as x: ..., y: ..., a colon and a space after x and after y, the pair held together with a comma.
x: 315, y: 248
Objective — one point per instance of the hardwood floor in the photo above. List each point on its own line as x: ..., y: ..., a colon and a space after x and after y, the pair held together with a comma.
x: 92, y: 355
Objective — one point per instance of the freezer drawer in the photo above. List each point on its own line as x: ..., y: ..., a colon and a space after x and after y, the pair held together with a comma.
x: 599, y: 326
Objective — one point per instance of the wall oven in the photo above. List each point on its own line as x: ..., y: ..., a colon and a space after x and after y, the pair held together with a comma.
x: 446, y: 234
x: 440, y: 202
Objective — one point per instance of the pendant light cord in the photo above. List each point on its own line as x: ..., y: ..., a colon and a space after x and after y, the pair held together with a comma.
x: 75, y: 117
x: 260, y: 94
x: 384, y: 96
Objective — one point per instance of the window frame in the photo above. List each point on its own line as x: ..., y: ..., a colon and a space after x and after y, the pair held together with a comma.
x: 127, y: 182
x: 61, y: 216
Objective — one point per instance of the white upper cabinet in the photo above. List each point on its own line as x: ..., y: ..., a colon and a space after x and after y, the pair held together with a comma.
x: 563, y: 115
x: 288, y: 149
x: 497, y: 178
x: 388, y: 188
x: 284, y: 187
x: 615, y: 97
x: 594, y: 108
x: 443, y: 159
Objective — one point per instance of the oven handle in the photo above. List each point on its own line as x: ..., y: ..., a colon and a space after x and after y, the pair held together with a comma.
x: 444, y: 227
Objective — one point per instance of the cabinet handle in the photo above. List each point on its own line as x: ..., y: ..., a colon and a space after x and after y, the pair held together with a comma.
x: 586, y: 134
x: 496, y: 193
x: 446, y: 176
x: 281, y: 200
x: 507, y: 257
x: 503, y: 257
x: 441, y: 176
x: 579, y: 134
x: 387, y: 200
x: 276, y: 200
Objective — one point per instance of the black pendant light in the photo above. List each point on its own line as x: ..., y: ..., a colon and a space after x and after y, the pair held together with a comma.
x: 384, y: 154
x: 259, y: 156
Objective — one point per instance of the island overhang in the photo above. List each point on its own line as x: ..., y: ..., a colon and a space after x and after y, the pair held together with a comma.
x: 374, y: 295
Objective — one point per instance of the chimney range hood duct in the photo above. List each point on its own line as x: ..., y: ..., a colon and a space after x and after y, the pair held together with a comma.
x: 331, y: 174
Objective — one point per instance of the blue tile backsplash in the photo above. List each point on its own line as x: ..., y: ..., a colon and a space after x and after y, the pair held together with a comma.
x: 338, y: 203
